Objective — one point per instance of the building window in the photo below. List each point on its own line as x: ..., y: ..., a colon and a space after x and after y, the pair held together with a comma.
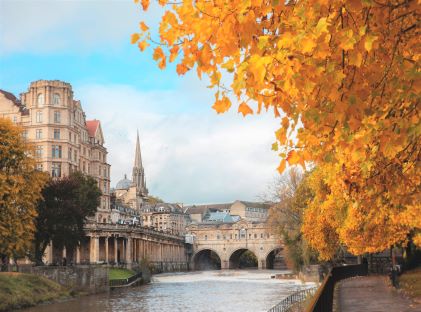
x: 75, y: 155
x: 70, y: 136
x: 105, y: 187
x: 56, y: 134
x: 56, y: 151
x: 69, y: 154
x: 83, y: 167
x: 39, y: 117
x: 38, y: 151
x: 56, y: 169
x: 25, y: 134
x: 15, y: 119
x: 56, y: 117
x: 39, y: 167
x: 56, y: 99
x: 206, y: 237
x: 40, y: 99
x: 38, y: 134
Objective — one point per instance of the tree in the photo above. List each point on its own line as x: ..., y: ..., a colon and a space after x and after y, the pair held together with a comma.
x: 292, y: 195
x: 66, y: 204
x: 342, y: 77
x: 20, y: 189
x: 154, y: 200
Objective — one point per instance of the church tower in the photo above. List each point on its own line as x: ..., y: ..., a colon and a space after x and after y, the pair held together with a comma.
x: 138, y: 176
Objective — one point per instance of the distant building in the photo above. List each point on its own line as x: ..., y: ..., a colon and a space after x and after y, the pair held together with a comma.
x: 165, y: 217
x: 132, y: 193
x: 228, y: 213
x: 64, y: 140
x: 250, y: 211
x: 199, y: 213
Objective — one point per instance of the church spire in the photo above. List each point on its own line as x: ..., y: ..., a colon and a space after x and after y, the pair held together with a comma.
x: 138, y: 177
x: 138, y: 156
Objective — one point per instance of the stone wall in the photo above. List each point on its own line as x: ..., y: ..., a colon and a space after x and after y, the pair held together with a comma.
x: 164, y: 267
x: 83, y: 278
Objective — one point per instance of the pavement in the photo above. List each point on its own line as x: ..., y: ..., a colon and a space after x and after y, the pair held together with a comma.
x: 372, y: 294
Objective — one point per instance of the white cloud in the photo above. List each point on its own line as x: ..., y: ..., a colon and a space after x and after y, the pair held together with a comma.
x: 190, y: 157
x: 44, y: 26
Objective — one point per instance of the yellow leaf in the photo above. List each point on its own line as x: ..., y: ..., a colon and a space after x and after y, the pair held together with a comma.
x: 275, y: 146
x: 181, y: 69
x: 174, y: 53
x: 308, y: 44
x: 322, y: 25
x: 293, y: 157
x: 355, y: 59
x: 143, y: 26
x: 145, y: 4
x: 257, y: 66
x: 368, y: 43
x: 281, y: 166
x: 142, y: 45
x: 135, y: 37
x: 158, y: 54
x: 244, y: 109
x: 222, y: 105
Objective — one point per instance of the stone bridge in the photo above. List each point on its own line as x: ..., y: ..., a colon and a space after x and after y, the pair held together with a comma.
x: 124, y: 244
x: 222, y: 245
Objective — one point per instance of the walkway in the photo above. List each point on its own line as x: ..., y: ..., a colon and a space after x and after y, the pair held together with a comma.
x: 372, y: 294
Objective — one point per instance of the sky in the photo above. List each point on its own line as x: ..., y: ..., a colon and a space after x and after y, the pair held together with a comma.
x: 190, y: 153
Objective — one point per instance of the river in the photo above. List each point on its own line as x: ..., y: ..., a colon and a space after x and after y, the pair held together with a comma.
x: 206, y: 291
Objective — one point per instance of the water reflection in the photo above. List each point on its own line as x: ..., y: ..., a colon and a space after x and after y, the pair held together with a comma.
x: 194, y: 291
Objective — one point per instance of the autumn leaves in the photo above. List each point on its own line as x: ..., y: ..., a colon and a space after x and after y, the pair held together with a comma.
x: 343, y: 77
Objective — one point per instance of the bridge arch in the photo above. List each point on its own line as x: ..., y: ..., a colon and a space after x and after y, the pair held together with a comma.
x: 275, y: 259
x: 206, y: 259
x: 243, y: 258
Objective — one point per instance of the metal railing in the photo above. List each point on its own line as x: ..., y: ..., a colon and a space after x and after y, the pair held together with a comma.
x: 125, y: 281
x: 323, y: 299
x: 295, y: 298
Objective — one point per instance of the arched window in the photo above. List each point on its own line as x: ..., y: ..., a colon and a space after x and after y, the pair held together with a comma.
x: 56, y: 99
x: 40, y: 99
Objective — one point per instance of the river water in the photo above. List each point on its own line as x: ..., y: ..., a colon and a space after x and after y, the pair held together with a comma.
x: 207, y: 291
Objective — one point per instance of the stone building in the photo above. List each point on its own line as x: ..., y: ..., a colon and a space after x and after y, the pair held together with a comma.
x: 63, y: 139
x: 132, y: 193
x: 165, y: 217
x: 250, y: 211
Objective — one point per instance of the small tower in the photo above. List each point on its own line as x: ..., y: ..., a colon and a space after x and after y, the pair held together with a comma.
x: 138, y: 176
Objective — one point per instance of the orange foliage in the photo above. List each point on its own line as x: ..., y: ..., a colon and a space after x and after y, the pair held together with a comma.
x: 345, y: 74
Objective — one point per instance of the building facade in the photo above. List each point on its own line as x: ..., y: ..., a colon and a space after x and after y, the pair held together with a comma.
x: 132, y: 193
x: 165, y: 217
x: 64, y: 141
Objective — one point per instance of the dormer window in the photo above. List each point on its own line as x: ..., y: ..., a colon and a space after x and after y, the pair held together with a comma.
x: 56, y: 99
x: 40, y: 99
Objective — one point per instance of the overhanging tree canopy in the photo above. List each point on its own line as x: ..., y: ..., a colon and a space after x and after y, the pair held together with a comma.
x: 342, y: 76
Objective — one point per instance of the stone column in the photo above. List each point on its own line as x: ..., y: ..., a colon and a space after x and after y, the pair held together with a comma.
x: 48, y: 254
x: 78, y: 254
x: 115, y: 249
x: 106, y: 249
x: 94, y: 250
x: 135, y: 249
x: 129, y: 251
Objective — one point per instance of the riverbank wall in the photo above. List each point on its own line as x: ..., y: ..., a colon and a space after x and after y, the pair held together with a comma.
x: 81, y: 278
x: 167, y: 267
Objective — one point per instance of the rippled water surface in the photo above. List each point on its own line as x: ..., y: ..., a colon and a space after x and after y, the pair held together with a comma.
x: 208, y: 291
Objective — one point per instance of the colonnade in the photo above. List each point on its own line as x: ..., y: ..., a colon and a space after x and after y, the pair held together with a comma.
x: 116, y: 249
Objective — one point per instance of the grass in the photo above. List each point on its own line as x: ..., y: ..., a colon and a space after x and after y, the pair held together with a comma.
x: 410, y: 282
x: 19, y: 290
x: 116, y: 273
